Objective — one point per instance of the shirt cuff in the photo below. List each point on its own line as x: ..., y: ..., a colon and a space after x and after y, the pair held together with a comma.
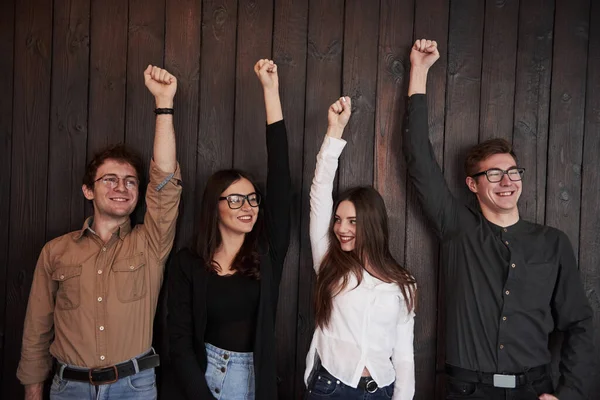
x: 333, y: 146
x: 159, y: 178
x: 566, y: 393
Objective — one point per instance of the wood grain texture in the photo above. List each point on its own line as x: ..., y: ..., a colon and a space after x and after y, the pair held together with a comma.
x: 289, y: 52
x: 29, y: 179
x: 532, y: 103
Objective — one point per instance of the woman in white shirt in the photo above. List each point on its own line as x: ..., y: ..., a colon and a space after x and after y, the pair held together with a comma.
x: 362, y: 347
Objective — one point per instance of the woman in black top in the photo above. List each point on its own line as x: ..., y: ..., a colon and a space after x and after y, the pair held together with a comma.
x: 223, y: 293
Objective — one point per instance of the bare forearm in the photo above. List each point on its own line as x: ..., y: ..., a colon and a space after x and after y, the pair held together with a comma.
x: 165, y: 155
x: 35, y: 391
x: 418, y: 81
x: 273, y: 105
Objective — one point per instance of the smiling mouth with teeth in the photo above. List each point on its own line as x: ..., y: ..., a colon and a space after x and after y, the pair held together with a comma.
x: 505, y: 194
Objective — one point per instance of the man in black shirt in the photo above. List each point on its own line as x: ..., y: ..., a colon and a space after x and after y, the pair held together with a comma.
x: 509, y: 282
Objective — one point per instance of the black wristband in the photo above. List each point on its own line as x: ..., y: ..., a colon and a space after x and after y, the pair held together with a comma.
x: 158, y: 111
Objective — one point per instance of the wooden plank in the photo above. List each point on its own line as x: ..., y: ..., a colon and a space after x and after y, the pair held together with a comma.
x: 217, y: 90
x: 589, y: 243
x: 532, y: 103
x: 323, y: 87
x: 68, y: 116
x: 462, y: 122
x: 463, y: 87
x: 254, y: 41
x: 498, y: 72
x: 289, y: 52
x: 182, y: 58
x: 422, y: 247
x: 32, y: 77
x: 563, y: 197
x: 361, y: 34
x: 7, y: 27
x: 108, y: 60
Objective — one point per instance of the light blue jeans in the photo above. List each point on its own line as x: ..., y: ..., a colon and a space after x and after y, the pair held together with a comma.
x: 229, y: 374
x: 141, y: 386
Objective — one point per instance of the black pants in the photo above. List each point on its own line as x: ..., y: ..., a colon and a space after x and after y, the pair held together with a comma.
x: 531, y: 390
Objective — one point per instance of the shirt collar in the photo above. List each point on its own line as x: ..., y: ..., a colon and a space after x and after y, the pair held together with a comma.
x: 122, y: 231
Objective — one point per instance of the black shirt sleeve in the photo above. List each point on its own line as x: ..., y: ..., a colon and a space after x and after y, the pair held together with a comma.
x: 181, y: 328
x: 445, y: 212
x: 279, y: 196
x: 573, y: 316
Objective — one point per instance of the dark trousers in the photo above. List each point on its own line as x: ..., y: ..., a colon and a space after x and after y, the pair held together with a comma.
x: 323, y: 385
x: 463, y: 386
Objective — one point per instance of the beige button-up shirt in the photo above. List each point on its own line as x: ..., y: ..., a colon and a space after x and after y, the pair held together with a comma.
x: 92, y: 304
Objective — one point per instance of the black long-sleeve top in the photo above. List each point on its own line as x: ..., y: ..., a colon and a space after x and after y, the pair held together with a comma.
x: 188, y: 278
x: 507, y: 288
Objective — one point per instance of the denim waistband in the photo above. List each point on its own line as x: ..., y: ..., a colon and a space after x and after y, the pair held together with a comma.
x: 215, y: 352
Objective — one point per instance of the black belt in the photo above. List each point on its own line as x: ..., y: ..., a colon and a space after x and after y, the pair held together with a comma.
x: 498, y: 380
x: 107, y: 375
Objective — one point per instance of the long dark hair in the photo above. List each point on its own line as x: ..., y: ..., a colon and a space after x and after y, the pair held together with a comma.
x: 372, y: 247
x: 208, y: 237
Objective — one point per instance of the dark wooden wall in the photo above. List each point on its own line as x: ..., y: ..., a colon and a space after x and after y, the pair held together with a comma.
x: 71, y: 82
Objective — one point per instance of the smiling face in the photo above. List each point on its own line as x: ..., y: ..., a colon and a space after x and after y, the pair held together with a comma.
x: 344, y: 225
x: 113, y: 203
x: 241, y: 220
x: 499, y: 197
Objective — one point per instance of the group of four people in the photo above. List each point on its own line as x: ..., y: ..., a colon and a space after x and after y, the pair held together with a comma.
x: 95, y: 291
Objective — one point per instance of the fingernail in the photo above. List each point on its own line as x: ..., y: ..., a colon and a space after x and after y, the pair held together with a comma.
x: 344, y: 99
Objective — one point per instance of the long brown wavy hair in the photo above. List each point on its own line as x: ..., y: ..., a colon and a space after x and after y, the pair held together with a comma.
x: 208, y: 236
x: 372, y: 248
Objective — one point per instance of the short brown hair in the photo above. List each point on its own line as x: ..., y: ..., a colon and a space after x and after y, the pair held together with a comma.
x: 118, y: 152
x: 483, y: 150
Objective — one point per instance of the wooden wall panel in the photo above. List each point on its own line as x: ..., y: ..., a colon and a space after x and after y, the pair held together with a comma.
x: 289, y: 52
x: 563, y: 195
x: 532, y: 103
x: 29, y: 180
x: 68, y: 116
x: 422, y: 249
x: 7, y: 27
x: 498, y: 69
x: 323, y: 87
x: 361, y: 33
x: 589, y: 242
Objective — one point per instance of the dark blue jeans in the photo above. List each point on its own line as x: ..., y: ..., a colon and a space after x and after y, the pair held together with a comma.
x: 323, y: 385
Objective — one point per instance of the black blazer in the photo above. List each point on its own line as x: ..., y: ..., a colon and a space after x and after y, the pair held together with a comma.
x: 187, y: 283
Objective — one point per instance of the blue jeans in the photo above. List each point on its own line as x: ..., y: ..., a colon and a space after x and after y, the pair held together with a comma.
x: 229, y: 374
x: 141, y: 386
x: 323, y: 385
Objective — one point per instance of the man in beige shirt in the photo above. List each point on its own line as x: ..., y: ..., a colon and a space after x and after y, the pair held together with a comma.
x: 95, y: 291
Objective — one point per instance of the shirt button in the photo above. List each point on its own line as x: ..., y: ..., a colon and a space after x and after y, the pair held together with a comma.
x: 62, y: 277
x: 505, y: 230
x: 506, y: 242
x: 102, y: 358
x: 99, y: 298
x: 501, y: 346
x: 101, y: 328
x: 503, y: 318
x: 507, y: 292
x: 131, y: 267
x: 99, y: 272
x: 104, y: 249
x: 513, y: 265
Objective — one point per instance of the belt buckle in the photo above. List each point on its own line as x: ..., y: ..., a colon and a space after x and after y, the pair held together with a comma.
x: 505, y: 381
x: 371, y: 386
x: 91, y: 371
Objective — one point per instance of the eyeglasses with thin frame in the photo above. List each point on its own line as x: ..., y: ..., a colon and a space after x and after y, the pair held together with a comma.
x: 112, y: 181
x: 495, y: 175
x: 236, y: 201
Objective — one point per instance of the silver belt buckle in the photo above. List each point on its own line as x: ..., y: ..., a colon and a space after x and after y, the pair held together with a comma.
x: 505, y: 381
x: 371, y: 386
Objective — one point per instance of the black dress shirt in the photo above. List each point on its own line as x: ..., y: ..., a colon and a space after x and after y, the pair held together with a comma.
x: 188, y: 285
x: 507, y: 288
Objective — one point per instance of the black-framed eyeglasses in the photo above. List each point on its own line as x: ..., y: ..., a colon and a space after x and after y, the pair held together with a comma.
x: 494, y: 175
x: 112, y: 181
x: 236, y: 201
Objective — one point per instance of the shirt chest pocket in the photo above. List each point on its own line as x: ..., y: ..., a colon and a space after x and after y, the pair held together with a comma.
x: 130, y: 278
x: 69, y: 287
